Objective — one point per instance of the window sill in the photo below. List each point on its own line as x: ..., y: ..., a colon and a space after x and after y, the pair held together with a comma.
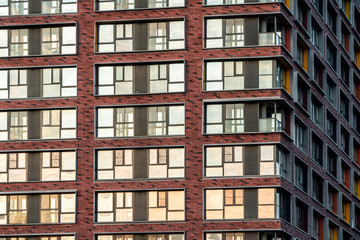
x: 140, y: 51
x: 246, y: 89
x: 133, y: 137
x: 245, y: 133
x: 298, y: 188
x: 137, y: 9
x: 248, y: 46
x: 302, y: 108
x: 29, y: 140
x: 317, y: 201
x: 137, y: 94
x: 50, y: 181
x: 244, y: 177
x: 242, y: 4
x: 139, y: 222
x: 137, y: 179
x: 32, y: 56
x: 303, y: 70
x: 37, y: 98
x: 39, y: 15
x: 317, y: 86
x: 302, y: 28
x: 36, y: 224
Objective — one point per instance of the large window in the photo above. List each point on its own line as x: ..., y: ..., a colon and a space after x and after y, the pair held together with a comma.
x: 244, y: 117
x: 226, y: 204
x: 109, y: 5
x: 301, y: 175
x: 128, y: 121
x: 44, y: 82
x: 233, y: 75
x: 43, y: 237
x: 134, y: 79
x: 231, y: 161
x: 44, y: 166
x: 142, y: 36
x: 244, y: 235
x: 53, y: 41
x: 230, y: 32
x: 140, y: 206
x: 121, y: 164
x: 37, y: 208
x: 25, y: 7
x: 50, y: 124
x: 301, y: 135
x: 228, y: 2
x: 148, y: 236
x: 301, y: 215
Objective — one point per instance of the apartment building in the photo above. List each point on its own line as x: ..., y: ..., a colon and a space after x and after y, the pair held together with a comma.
x: 179, y: 120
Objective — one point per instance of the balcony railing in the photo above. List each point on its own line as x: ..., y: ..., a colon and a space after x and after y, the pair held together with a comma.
x: 269, y: 39
x: 270, y: 125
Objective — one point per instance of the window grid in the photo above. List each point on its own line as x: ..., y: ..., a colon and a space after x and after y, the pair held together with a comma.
x: 224, y: 161
x: 18, y: 125
x: 120, y: 167
x: 19, y: 42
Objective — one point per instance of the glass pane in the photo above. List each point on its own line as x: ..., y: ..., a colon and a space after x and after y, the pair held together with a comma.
x: 68, y: 35
x: 176, y: 115
x: 214, y: 113
x: 105, y: 117
x: 69, y: 77
x: 177, y: 30
x: 214, y: 28
x: 214, y: 71
x: 105, y: 202
x: 68, y: 161
x: 176, y: 200
x: 68, y: 118
x: 214, y: 199
x: 105, y: 159
x: 106, y: 33
x: 67, y: 203
x: 176, y: 157
x: 106, y: 75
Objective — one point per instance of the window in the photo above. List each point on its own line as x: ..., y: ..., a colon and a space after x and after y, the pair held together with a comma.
x: 344, y: 140
x: 129, y: 206
x: 345, y: 174
x: 301, y: 215
x: 54, y: 166
x: 57, y: 208
x: 44, y: 237
x: 244, y: 235
x: 332, y: 18
x: 318, y: 226
x: 301, y: 175
x: 345, y: 37
x: 302, y: 53
x: 318, y: 4
x: 331, y: 91
x: 233, y: 36
x: 332, y: 162
x: 301, y: 135
x: 346, y: 7
x: 344, y: 106
x: 127, y: 37
x: 318, y: 71
x: 58, y: 124
x: 229, y: 32
x: 227, y: 75
x: 37, y: 208
x: 45, y: 82
x: 331, y: 54
x: 233, y: 118
x: 302, y: 14
x: 160, y: 162
x: 126, y: 121
x: 55, y: 124
x: 148, y: 236
x: 333, y: 231
x: 317, y: 149
x: 331, y: 127
x: 357, y: 217
x: 108, y: 5
x: 332, y: 199
x: 230, y: 75
x: 225, y: 204
x: 317, y: 111
x: 345, y: 72
x: 346, y: 209
x: 356, y: 152
x: 270, y: 31
x: 54, y: 40
x: 302, y: 93
x: 356, y: 119
x: 226, y: 161
x: 317, y: 187
x: 357, y: 185
x: 132, y: 79
x: 25, y: 7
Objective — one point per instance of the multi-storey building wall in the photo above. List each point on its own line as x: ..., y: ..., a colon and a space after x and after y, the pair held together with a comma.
x: 173, y: 119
